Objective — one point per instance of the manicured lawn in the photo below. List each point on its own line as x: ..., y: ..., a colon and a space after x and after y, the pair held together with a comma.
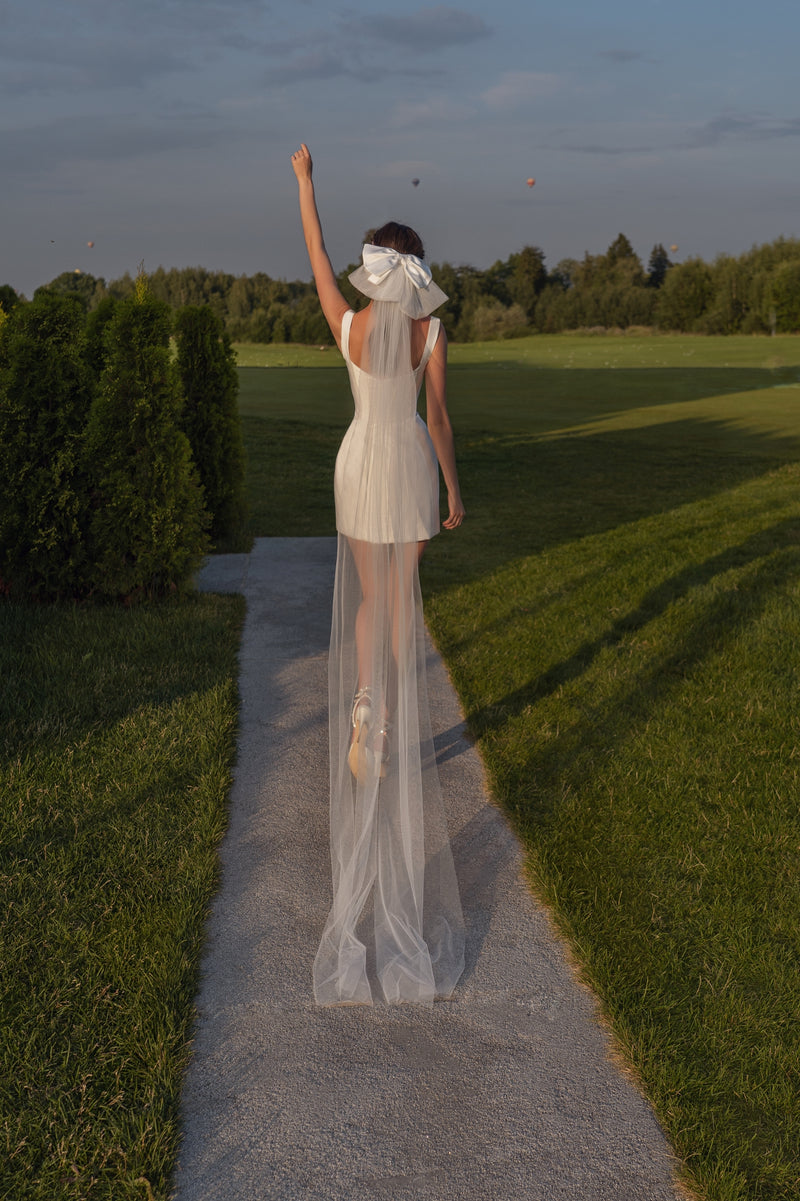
x: 117, y: 730
x: 621, y: 617
x: 620, y: 614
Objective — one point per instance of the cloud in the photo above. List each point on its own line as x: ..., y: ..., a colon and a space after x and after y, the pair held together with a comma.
x: 720, y: 130
x: 743, y: 127
x: 606, y: 150
x: 429, y: 29
x: 368, y: 47
x: 621, y: 56
x: 185, y: 16
x: 41, y: 66
x: 72, y: 140
x: 516, y: 88
x: 407, y: 169
x: 112, y: 44
x: 313, y: 64
x: 434, y: 110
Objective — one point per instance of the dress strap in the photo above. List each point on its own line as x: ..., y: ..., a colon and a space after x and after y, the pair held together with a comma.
x: 347, y: 321
x: 430, y: 342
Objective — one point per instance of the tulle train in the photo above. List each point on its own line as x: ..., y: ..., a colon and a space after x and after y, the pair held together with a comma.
x: 389, y: 840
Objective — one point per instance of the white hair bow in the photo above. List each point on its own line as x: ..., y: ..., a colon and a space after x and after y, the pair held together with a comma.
x: 403, y: 279
x: 380, y: 261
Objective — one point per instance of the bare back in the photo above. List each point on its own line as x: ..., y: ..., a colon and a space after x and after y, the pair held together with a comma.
x: 358, y: 332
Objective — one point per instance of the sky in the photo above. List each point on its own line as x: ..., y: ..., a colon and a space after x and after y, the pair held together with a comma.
x: 162, y: 130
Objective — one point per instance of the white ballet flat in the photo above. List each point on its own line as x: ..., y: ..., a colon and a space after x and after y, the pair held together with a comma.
x: 363, y: 760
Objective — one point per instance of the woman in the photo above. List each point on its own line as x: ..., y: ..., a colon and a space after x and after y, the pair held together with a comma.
x: 388, y: 835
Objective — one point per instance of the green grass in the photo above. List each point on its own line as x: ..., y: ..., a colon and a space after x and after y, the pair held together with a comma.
x: 117, y: 737
x: 621, y: 615
x: 518, y: 405
x: 290, y: 354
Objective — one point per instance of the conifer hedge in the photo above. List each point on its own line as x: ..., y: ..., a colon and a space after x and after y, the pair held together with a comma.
x: 148, y: 525
x: 102, y: 496
x: 207, y: 367
x: 45, y: 396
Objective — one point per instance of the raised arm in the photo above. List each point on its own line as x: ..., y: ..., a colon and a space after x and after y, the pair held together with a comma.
x: 440, y: 429
x: 334, y: 305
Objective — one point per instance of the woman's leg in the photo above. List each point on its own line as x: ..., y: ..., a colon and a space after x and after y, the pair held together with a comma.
x: 387, y: 578
x: 403, y: 960
x: 405, y: 563
x: 404, y: 559
x: 366, y: 558
x: 368, y: 733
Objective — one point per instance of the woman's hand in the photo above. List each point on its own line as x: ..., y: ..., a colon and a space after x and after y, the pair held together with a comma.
x: 456, y: 514
x: 301, y: 162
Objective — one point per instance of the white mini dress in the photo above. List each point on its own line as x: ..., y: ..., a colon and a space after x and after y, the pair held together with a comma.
x: 386, y: 481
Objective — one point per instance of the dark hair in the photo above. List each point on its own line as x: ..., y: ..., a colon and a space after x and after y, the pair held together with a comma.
x: 399, y: 237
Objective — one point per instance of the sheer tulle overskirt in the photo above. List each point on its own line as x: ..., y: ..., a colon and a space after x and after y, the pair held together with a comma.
x: 389, y: 841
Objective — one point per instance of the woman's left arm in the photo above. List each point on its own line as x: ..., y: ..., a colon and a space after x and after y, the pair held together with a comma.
x: 440, y: 429
x: 334, y: 305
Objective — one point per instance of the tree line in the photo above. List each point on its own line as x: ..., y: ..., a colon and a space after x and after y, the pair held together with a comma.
x: 757, y: 292
x: 120, y: 446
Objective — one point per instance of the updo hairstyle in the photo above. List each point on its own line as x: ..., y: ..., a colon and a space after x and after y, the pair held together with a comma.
x: 398, y: 237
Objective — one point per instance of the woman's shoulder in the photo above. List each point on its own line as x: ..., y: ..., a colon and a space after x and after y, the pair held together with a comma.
x: 430, y: 329
x: 429, y: 324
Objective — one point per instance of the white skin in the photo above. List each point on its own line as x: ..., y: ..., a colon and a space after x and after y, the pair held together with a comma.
x: 334, y: 307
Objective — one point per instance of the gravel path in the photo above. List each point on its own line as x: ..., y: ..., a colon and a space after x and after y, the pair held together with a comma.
x: 505, y: 1092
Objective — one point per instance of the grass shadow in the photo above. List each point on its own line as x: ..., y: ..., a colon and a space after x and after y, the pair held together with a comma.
x: 528, y: 483
x: 540, y: 398
x: 512, y: 396
x: 720, y: 620
x: 652, y: 774
x: 72, y: 670
x: 524, y: 494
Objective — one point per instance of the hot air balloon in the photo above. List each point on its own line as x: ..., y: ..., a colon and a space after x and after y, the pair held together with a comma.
x: 415, y: 182
x: 530, y: 182
x: 674, y: 248
x: 90, y: 244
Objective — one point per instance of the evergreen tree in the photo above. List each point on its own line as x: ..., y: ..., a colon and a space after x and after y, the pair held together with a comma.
x: 658, y: 266
x: 306, y: 323
x: 240, y: 299
x: 784, y: 296
x: 357, y: 300
x: 207, y: 368
x: 685, y: 295
x: 148, y: 527
x: 45, y: 394
x: 96, y: 325
x: 605, y: 290
x: 564, y: 274
x: 467, y: 286
x: 727, y: 309
x: 528, y: 278
x: 448, y: 280
x: 80, y: 284
x: 608, y: 289
x: 620, y: 249
x: 123, y: 287
x: 8, y: 298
